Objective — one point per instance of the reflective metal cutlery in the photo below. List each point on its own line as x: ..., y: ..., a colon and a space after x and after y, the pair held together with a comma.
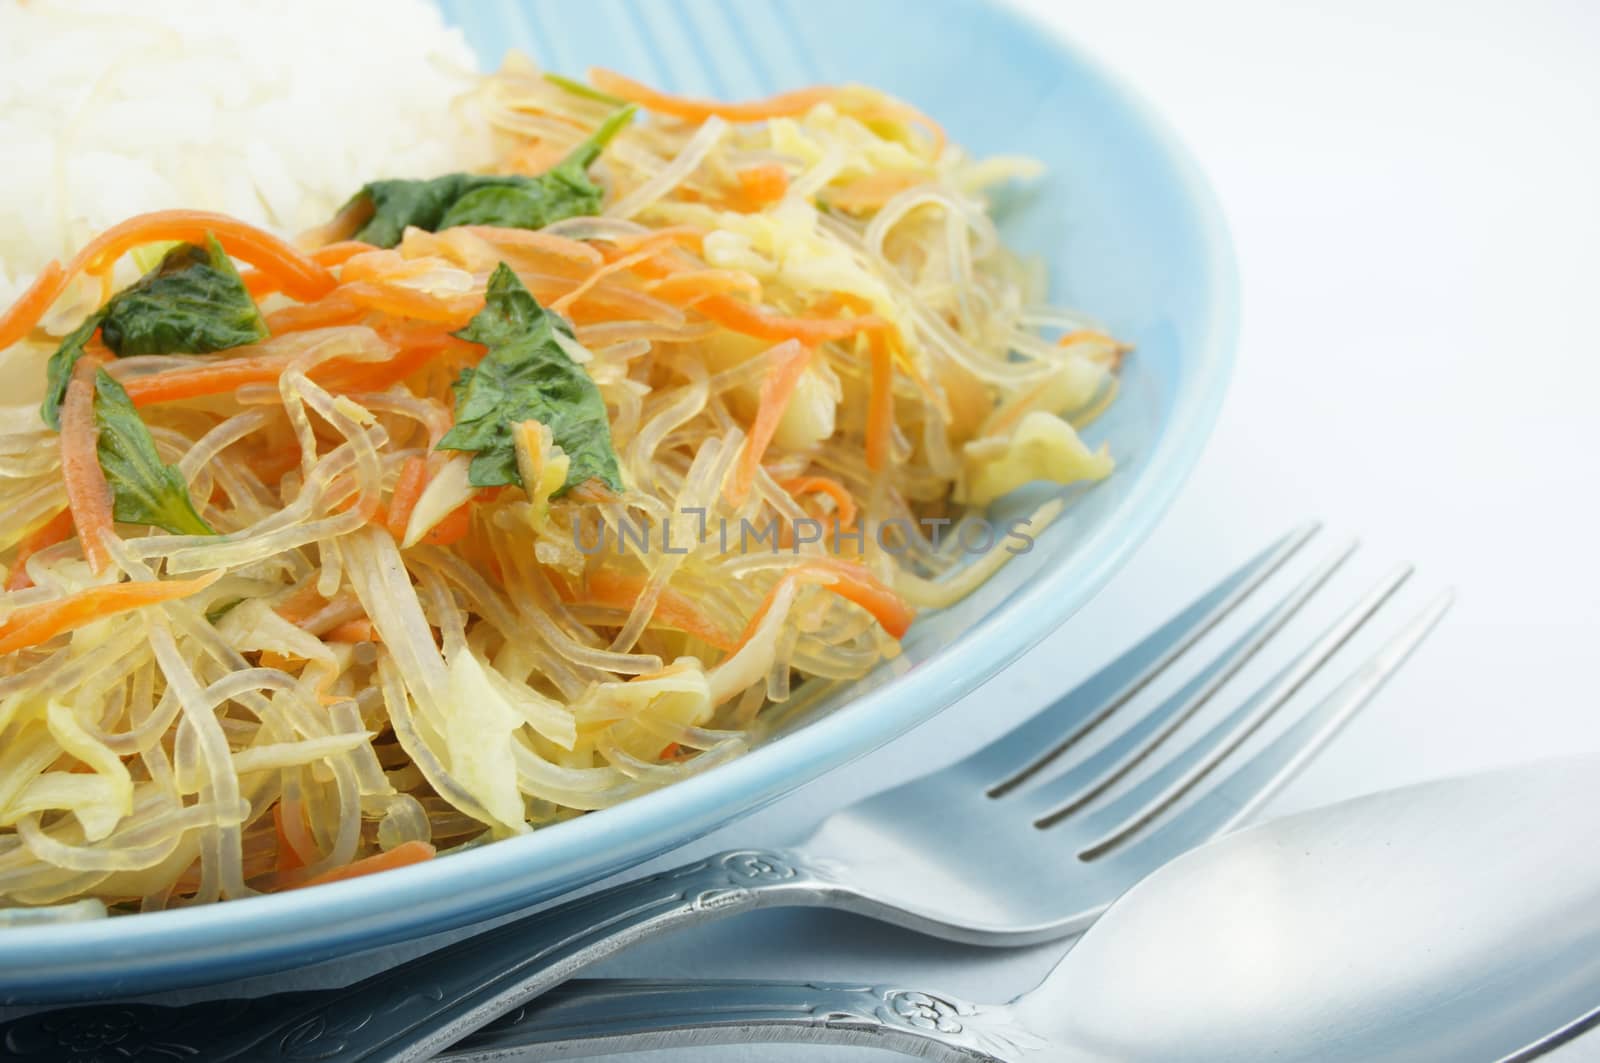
x: 1454, y: 921
x: 1026, y: 840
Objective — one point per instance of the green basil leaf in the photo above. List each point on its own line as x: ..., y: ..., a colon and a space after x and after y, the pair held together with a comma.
x: 193, y: 302
x: 510, y: 201
x: 526, y: 376
x: 58, y: 371
x: 144, y: 491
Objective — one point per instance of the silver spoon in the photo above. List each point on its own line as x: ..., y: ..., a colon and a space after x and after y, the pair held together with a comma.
x: 1455, y: 920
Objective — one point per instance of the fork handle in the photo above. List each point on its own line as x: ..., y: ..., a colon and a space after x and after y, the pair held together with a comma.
x: 615, y: 1016
x: 410, y: 1012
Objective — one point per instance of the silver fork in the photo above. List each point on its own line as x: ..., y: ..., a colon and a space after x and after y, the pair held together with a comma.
x: 997, y: 849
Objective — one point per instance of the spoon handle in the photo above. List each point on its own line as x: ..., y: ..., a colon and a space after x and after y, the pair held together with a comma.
x: 613, y: 1016
x: 411, y: 1011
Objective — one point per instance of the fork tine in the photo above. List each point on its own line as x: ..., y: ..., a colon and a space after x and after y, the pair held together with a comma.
x: 1258, y: 778
x: 1146, y: 800
x: 1014, y: 757
x: 1060, y: 797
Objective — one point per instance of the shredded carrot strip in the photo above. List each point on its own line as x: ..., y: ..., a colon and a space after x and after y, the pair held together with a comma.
x: 689, y: 287
x: 616, y: 266
x: 413, y: 478
x: 336, y: 254
x: 535, y: 242
x: 453, y: 527
x: 334, y: 309
x: 855, y: 583
x: 783, y: 105
x: 794, y: 575
x: 761, y: 185
x: 687, y: 236
x: 57, y: 529
x: 88, y: 494
x: 298, y: 275
x: 388, y: 265
x: 880, y: 402
x: 301, y: 604
x: 417, y: 348
x: 351, y: 631
x: 778, y: 384
x: 416, y: 351
x: 751, y: 321
x: 844, y: 504
x: 616, y: 590
x: 455, y: 310
x: 259, y: 283
x: 402, y: 855
x: 30, y: 625
x: 850, y: 581
x: 25, y: 313
x: 213, y: 378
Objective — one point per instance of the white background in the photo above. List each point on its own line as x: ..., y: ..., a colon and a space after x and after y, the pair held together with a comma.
x: 1414, y: 191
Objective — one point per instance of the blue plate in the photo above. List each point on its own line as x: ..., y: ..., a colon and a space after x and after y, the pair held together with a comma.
x: 1131, y: 233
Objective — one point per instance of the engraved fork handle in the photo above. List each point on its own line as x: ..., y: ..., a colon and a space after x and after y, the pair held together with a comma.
x: 602, y: 1017
x: 410, y: 1012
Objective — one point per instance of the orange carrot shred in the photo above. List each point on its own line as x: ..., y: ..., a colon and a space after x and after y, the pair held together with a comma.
x: 790, y: 359
x: 338, y: 253
x: 760, y: 185
x: 455, y: 310
x: 453, y: 528
x: 301, y: 603
x: 844, y: 504
x: 57, y: 529
x: 616, y: 266
x: 751, y: 321
x: 854, y: 582
x: 334, y: 309
x: 402, y: 855
x: 850, y: 581
x: 691, y: 286
x: 618, y: 590
x: 783, y: 105
x: 29, y: 625
x: 360, y: 630
x: 880, y: 402
x: 413, y: 478
x: 88, y: 494
x: 25, y: 313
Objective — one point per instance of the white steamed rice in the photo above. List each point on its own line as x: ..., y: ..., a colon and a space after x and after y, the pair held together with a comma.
x: 274, y: 111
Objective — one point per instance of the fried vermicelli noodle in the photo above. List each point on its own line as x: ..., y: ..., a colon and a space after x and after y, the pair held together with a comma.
x: 376, y: 607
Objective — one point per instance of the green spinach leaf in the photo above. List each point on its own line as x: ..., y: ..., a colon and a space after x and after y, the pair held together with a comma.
x: 192, y: 303
x: 144, y: 491
x: 507, y: 200
x: 526, y: 376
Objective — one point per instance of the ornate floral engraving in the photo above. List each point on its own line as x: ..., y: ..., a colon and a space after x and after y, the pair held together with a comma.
x: 758, y: 866
x: 925, y: 1011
